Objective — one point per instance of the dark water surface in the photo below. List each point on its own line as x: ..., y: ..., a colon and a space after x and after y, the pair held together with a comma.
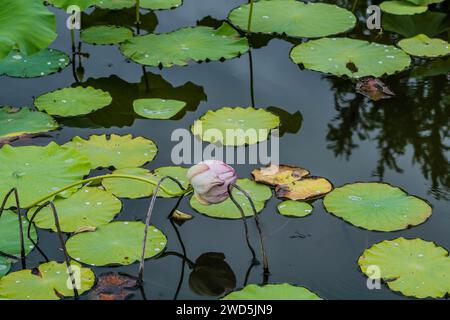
x: 343, y: 137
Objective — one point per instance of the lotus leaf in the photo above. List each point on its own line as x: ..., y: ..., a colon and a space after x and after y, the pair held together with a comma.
x: 227, y: 209
x: 4, y: 266
x: 422, y: 46
x: 50, y: 281
x: 429, y: 23
x: 158, y: 108
x: 145, y: 4
x: 282, y: 291
x: 304, y: 189
x: 274, y: 175
x: 235, y: 126
x: 350, y: 57
x: 413, y: 267
x: 104, y: 35
x: 65, y: 4
x: 17, y: 122
x: 40, y: 64
x: 377, y: 206
x: 116, y: 243
x: 38, y: 171
x: 88, y: 207
x: 116, y: 151
x: 10, y: 236
x: 402, y: 7
x: 181, y: 46
x: 17, y: 18
x: 424, y: 2
x: 432, y: 68
x: 294, y: 18
x: 293, y: 208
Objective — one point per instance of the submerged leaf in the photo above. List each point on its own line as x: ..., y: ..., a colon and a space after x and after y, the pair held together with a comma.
x: 104, y: 35
x: 158, y: 108
x: 429, y: 23
x: 422, y: 46
x: 282, y: 291
x: 113, y: 286
x: 304, y: 189
x: 10, y: 235
x: 373, y: 88
x: 293, y: 208
x: 274, y: 175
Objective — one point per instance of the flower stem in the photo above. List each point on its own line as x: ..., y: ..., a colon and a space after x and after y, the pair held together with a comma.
x: 138, y: 13
x: 250, y: 18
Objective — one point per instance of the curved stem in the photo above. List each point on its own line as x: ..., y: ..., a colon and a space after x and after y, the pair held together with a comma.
x: 247, y: 237
x: 190, y: 263
x: 250, y: 18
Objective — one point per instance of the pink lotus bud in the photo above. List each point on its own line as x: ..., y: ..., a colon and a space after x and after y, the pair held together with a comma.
x: 210, y: 180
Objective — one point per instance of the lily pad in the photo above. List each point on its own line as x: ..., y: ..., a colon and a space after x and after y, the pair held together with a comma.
x: 274, y: 175
x: 402, y: 7
x: 422, y: 46
x: 50, y: 281
x: 413, y: 267
x: 181, y: 46
x: 9, y: 233
x: 116, y: 151
x: 88, y: 207
x: 17, y: 18
x: 145, y: 4
x: 429, y: 23
x: 65, y: 4
x: 4, y: 266
x: 40, y: 64
x: 227, y: 209
x: 132, y: 189
x: 69, y: 102
x: 17, y: 122
x: 244, y: 126
x: 350, y: 57
x: 304, y: 189
x: 424, y: 2
x: 104, y: 35
x: 294, y: 18
x: 292, y: 208
x: 116, y: 243
x: 282, y: 291
x: 158, y: 108
x: 376, y: 206
x: 38, y: 171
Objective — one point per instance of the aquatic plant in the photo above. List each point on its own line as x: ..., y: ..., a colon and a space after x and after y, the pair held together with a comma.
x: 291, y: 208
x: 282, y: 291
x: 106, y: 35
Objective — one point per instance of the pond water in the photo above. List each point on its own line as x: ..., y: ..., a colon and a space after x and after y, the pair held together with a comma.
x: 344, y: 137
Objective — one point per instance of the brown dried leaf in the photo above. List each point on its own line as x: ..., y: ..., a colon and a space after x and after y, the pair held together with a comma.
x: 113, y: 286
x: 305, y: 189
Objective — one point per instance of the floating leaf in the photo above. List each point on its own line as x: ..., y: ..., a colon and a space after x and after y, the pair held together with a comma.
x: 424, y: 2
x: 304, y: 189
x: 70, y: 102
x: 413, y: 267
x: 274, y: 175
x: 10, y: 236
x: 18, y: 122
x: 181, y: 46
x: 334, y: 55
x: 432, y: 68
x: 422, y: 46
x: 116, y: 243
x: 116, y: 151
x: 294, y: 18
x: 40, y: 64
x: 429, y: 23
x: 145, y: 4
x: 227, y: 209
x: 17, y: 18
x: 235, y: 126
x: 65, y: 4
x: 283, y: 291
x: 292, y: 208
x: 376, y: 206
x: 133, y: 189
x: 88, y: 207
x: 38, y: 171
x: 4, y: 266
x: 104, y: 35
x: 50, y: 281
x: 113, y: 286
x: 373, y: 88
x: 402, y: 7
x: 158, y: 108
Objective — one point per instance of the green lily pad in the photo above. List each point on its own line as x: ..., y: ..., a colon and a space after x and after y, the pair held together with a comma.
x: 246, y: 125
x: 424, y: 2
x: 5, y: 265
x: 40, y: 64
x: 294, y: 18
x: 38, y: 171
x: 158, y: 108
x: 116, y: 151
x: 17, y: 122
x: 376, y: 206
x: 413, y: 267
x: 145, y: 4
x: 293, y: 208
x: 422, y: 46
x: 69, y: 102
x: 181, y: 46
x: 402, y: 7
x: 88, y: 207
x: 65, y: 4
x: 227, y: 209
x: 282, y: 291
x: 104, y: 35
x: 132, y: 189
x: 9, y: 233
x: 17, y: 18
x: 50, y: 281
x: 116, y: 243
x: 350, y: 57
